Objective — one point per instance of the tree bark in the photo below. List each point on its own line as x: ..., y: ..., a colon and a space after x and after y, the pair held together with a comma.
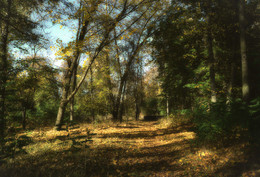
x: 72, y: 101
x: 60, y: 114
x: 139, y: 91
x: 122, y: 104
x: 92, y: 95
x: 117, y: 106
x: 244, y: 61
x: 64, y: 101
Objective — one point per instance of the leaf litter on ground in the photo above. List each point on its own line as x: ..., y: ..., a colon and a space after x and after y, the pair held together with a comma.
x: 135, y: 148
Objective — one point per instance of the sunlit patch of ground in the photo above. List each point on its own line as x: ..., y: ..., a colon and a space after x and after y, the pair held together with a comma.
x: 128, y: 149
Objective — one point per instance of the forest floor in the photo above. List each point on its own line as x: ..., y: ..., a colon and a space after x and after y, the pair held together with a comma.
x: 135, y: 148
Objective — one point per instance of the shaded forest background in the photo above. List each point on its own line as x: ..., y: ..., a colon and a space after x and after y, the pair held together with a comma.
x: 129, y: 59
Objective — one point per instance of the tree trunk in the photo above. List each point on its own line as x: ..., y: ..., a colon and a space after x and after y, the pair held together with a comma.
x: 211, y: 63
x: 72, y: 101
x: 137, y: 103
x: 231, y: 83
x: 122, y: 105
x: 137, y: 112
x: 64, y: 101
x: 72, y: 64
x: 4, y: 67
x: 167, y: 106
x: 24, y: 117
x: 244, y: 62
x: 92, y: 95
x: 60, y: 114
x: 72, y: 109
x: 118, y: 100
x: 110, y: 87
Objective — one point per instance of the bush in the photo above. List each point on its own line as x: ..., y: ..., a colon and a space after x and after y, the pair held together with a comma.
x: 221, y: 119
x: 254, y: 111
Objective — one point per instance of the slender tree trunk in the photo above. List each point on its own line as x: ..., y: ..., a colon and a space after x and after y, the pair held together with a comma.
x: 137, y: 111
x: 4, y: 67
x: 167, y: 106
x: 137, y: 103
x: 92, y: 94
x: 72, y: 101
x: 116, y: 108
x: 211, y: 62
x: 139, y: 90
x: 232, y: 74
x: 122, y: 104
x: 72, y: 109
x: 24, y: 117
x: 137, y: 97
x: 109, y: 83
x: 244, y: 61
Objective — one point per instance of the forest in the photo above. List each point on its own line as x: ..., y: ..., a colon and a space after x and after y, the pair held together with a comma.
x: 129, y: 88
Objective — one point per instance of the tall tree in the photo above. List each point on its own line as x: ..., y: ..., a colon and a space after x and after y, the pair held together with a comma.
x: 244, y: 60
x: 17, y: 27
x: 211, y: 56
x: 5, y: 32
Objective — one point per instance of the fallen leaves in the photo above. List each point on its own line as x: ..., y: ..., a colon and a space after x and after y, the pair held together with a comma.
x: 129, y: 149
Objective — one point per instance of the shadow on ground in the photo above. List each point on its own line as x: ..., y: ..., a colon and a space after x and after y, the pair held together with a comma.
x: 156, y: 156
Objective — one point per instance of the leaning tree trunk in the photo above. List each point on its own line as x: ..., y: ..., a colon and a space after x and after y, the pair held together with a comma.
x: 68, y: 75
x: 244, y: 62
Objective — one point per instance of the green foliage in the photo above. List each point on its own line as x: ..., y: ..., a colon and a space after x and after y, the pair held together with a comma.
x: 151, y: 106
x: 254, y: 111
x: 34, y: 90
x: 220, y: 120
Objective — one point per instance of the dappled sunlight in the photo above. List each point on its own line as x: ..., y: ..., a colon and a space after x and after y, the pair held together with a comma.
x: 129, y: 149
x: 142, y: 88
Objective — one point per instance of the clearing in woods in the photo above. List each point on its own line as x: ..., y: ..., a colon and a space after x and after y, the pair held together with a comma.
x: 136, y: 148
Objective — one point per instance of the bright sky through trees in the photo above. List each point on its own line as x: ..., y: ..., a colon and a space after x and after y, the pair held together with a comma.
x: 57, y: 33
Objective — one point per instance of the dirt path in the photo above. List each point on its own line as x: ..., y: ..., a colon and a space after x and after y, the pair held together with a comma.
x: 145, y: 148
x: 129, y: 149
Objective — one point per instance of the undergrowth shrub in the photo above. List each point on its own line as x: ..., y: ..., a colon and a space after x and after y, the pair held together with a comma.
x: 220, y: 120
x: 254, y: 111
